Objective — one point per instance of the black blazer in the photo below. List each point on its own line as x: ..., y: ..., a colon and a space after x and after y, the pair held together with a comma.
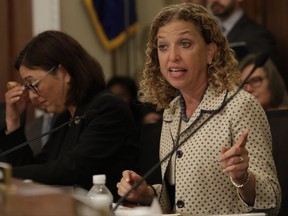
x: 257, y: 37
x: 104, y: 144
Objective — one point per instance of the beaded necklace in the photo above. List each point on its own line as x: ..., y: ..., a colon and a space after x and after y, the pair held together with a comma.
x: 183, y: 110
x: 183, y: 106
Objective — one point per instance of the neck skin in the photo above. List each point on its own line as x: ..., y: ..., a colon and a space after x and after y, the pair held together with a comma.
x: 192, y: 100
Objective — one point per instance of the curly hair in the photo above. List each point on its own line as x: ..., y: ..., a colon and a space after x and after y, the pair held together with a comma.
x: 223, y: 72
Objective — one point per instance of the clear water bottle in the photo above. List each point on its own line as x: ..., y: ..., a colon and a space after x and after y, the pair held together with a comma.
x: 99, y: 194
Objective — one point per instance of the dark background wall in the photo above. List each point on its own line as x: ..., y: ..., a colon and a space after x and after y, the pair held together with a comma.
x: 16, y: 30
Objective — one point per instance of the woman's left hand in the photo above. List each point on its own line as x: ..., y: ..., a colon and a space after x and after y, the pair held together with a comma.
x: 235, y: 160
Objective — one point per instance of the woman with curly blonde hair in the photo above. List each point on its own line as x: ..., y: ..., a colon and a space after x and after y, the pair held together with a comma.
x: 222, y: 72
x: 191, y: 72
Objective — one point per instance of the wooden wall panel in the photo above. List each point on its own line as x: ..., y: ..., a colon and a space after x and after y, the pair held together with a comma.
x: 273, y: 14
x: 16, y: 31
x: 4, y: 48
x: 21, y: 29
x: 254, y: 9
x: 277, y: 22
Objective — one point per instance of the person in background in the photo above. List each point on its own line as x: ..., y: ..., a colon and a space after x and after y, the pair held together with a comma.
x: 266, y: 84
x: 244, y: 35
x: 52, y: 65
x: 191, y: 72
x: 127, y: 88
x: 200, y: 2
x: 148, y: 121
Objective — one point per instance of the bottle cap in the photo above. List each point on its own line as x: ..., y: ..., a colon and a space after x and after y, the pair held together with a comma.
x: 99, y: 179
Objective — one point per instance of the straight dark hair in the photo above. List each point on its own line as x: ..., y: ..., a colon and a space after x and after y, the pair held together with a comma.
x: 53, y: 48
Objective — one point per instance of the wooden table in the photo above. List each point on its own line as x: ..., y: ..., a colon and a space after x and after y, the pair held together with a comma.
x: 31, y: 199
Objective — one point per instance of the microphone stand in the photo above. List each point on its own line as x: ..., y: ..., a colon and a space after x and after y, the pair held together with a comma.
x: 42, y: 135
x: 260, y: 60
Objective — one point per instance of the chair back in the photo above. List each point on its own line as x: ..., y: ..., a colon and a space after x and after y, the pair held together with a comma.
x: 278, y: 121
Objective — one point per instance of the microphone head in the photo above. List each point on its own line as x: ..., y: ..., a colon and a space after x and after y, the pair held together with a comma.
x: 261, y: 59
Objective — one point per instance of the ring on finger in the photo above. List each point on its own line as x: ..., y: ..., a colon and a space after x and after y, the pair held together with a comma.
x: 241, y: 159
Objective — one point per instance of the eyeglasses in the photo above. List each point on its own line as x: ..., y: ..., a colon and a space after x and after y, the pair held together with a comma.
x: 33, y: 86
x: 254, y: 82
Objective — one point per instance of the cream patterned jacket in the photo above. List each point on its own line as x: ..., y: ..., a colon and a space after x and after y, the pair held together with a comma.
x: 201, y: 188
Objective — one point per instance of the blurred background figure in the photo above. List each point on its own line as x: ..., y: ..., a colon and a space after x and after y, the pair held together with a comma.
x: 127, y: 88
x: 244, y: 35
x: 148, y: 121
x: 200, y: 2
x: 266, y: 84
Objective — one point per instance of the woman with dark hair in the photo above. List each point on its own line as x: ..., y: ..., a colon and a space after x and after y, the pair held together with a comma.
x: 67, y: 80
x: 266, y: 84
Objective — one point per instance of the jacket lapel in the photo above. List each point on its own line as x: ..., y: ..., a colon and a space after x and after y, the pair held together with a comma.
x: 210, y: 104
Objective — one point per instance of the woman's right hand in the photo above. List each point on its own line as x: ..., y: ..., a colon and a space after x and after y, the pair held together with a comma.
x: 17, y: 99
x: 143, y: 194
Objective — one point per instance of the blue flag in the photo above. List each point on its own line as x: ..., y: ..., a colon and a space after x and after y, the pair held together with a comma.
x: 108, y: 18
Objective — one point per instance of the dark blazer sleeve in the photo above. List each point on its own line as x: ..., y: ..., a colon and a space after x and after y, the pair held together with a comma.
x: 17, y: 157
x: 102, y: 144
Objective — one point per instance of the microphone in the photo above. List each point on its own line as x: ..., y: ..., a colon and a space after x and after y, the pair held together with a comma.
x: 259, y: 62
x: 261, y: 59
x: 89, y: 114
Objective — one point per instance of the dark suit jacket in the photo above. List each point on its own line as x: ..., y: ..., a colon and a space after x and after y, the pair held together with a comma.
x: 103, y: 144
x: 257, y: 37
